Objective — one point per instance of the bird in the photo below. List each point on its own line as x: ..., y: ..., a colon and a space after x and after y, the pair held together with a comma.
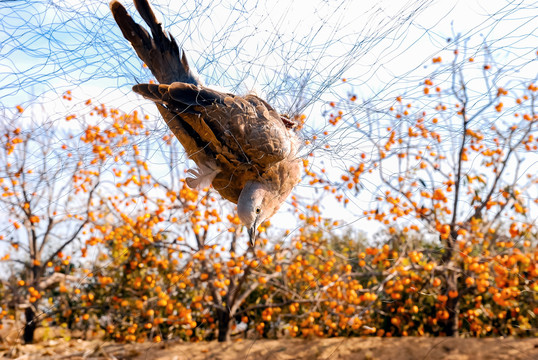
x: 241, y: 145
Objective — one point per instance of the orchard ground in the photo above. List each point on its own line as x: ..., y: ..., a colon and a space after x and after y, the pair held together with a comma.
x: 334, y: 348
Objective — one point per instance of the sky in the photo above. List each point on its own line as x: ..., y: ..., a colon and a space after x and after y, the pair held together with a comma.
x: 268, y: 47
x: 250, y: 45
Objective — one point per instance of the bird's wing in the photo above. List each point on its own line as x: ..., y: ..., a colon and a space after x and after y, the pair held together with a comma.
x: 159, y: 51
x: 265, y: 139
x: 243, y: 131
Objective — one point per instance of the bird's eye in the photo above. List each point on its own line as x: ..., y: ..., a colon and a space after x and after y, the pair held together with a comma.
x: 258, y: 210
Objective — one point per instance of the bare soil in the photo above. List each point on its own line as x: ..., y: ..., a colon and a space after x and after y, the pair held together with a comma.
x: 284, y: 349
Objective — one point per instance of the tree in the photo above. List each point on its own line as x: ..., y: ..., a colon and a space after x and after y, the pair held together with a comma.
x: 456, y: 166
x: 51, y: 179
x: 173, y: 227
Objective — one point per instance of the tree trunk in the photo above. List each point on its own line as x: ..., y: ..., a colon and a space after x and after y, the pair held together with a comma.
x: 30, y: 326
x: 224, y: 325
x: 450, y: 326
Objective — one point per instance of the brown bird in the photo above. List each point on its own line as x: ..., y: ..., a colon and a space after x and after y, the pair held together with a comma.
x: 241, y: 145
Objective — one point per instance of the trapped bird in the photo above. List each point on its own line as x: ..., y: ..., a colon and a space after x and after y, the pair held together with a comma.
x: 240, y: 144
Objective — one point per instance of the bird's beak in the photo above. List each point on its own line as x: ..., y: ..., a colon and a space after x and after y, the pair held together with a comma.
x: 252, y: 233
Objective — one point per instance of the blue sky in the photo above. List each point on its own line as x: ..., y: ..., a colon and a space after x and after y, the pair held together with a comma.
x: 251, y: 45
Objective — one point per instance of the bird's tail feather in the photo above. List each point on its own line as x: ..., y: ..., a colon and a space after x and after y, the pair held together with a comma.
x: 159, y: 51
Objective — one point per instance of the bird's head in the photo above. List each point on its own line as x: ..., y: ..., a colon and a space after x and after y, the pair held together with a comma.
x: 256, y: 204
